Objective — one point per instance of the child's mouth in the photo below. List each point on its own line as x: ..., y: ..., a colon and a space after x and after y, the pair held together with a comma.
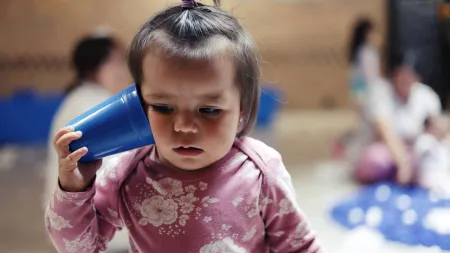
x: 188, y: 151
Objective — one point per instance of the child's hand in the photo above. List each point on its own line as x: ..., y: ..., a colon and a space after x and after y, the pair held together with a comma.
x: 73, y: 175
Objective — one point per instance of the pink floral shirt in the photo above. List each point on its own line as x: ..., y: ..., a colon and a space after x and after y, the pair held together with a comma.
x: 244, y: 202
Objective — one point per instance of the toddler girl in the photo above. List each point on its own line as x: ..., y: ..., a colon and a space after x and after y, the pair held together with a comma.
x: 433, y: 153
x: 204, y: 187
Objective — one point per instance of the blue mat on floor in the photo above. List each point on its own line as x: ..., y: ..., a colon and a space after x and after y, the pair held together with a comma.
x: 411, y: 216
x: 26, y: 117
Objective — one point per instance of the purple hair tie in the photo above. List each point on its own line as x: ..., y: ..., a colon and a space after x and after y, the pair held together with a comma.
x: 188, y: 4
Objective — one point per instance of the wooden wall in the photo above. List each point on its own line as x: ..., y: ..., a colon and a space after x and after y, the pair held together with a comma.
x: 303, y: 42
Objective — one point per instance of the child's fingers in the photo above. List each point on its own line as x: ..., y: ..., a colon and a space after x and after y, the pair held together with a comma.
x: 62, y: 144
x: 73, y: 158
x: 60, y: 133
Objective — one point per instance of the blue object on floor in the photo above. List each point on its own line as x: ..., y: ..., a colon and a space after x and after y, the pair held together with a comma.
x: 26, y: 117
x: 400, y: 214
x: 269, y: 105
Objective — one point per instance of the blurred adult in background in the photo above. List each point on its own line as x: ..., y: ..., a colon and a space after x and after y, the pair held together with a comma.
x: 364, y: 61
x: 100, y: 72
x: 396, y: 110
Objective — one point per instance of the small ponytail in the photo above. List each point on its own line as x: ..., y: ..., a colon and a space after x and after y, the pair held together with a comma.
x: 189, y: 4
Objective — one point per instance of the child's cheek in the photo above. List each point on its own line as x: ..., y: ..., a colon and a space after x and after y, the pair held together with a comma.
x: 215, y: 126
x: 156, y: 119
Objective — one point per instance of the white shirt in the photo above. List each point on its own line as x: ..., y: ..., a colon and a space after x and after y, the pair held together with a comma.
x: 425, y: 144
x: 407, y: 119
x: 368, y: 63
x: 433, y: 162
x: 365, y: 71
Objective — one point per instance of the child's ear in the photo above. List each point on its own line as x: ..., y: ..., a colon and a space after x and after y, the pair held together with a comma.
x: 242, y: 117
x: 241, y: 122
x: 242, y: 114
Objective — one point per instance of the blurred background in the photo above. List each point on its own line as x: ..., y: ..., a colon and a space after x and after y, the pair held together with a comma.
x: 307, y: 103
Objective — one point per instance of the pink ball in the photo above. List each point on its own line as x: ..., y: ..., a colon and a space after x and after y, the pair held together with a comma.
x: 375, y: 164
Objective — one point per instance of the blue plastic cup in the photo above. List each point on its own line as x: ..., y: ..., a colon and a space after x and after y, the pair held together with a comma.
x: 116, y: 125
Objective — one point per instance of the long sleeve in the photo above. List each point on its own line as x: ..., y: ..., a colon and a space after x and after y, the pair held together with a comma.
x: 75, y: 225
x: 286, y: 226
x: 87, y: 221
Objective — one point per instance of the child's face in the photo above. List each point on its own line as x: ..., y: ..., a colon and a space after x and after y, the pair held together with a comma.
x: 191, y: 104
x: 113, y: 74
x: 440, y: 127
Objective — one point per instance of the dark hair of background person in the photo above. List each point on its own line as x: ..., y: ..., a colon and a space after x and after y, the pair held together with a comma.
x: 88, y: 56
x: 362, y: 28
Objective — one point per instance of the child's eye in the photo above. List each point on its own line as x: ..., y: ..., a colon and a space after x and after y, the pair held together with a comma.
x: 164, y: 109
x: 208, y: 111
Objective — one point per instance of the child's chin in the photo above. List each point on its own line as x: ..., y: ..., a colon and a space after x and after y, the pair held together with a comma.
x: 188, y: 165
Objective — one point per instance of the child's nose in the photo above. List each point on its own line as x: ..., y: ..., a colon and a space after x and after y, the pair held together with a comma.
x: 185, y: 123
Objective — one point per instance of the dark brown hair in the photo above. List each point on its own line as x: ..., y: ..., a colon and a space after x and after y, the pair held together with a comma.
x: 361, y: 30
x: 200, y: 33
x: 88, y: 56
